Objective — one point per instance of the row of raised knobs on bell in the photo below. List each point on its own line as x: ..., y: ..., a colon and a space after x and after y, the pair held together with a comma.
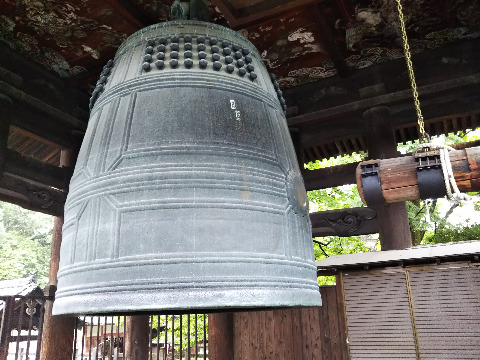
x: 234, y: 55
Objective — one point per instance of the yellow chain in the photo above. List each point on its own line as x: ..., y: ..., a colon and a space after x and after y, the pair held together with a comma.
x: 408, y: 58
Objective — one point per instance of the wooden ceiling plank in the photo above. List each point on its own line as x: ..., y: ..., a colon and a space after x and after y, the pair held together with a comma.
x: 16, y: 129
x: 324, y: 151
x: 26, y: 143
x: 248, y: 18
x: 310, y: 155
x: 317, y: 154
x: 15, y: 140
x: 50, y: 155
x: 346, y: 144
x: 306, y: 159
x: 363, y: 143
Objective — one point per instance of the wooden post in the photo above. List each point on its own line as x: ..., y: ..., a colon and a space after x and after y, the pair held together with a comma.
x: 137, y: 337
x: 5, y: 113
x: 58, y: 331
x: 6, y: 326
x: 220, y: 336
x: 393, y: 220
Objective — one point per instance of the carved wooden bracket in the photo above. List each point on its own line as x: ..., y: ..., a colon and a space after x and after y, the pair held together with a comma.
x: 344, y: 222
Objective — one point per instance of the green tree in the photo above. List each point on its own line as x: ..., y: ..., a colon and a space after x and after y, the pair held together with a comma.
x: 25, y: 238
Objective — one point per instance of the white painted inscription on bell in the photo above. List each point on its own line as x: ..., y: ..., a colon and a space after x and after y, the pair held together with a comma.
x: 233, y: 106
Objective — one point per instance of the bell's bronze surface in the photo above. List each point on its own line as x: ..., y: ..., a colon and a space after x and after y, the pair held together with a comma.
x: 187, y: 193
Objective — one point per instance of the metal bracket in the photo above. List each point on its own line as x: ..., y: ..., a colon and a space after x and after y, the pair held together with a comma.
x: 430, y: 175
x: 372, y: 188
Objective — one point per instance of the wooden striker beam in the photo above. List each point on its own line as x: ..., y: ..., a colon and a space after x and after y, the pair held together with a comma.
x: 398, y: 176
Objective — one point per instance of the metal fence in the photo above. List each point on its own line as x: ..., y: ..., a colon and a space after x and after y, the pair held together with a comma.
x: 171, y: 337
x: 21, y: 327
x: 98, y: 338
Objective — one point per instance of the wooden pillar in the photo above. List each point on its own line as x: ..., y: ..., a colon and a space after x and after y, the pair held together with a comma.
x: 137, y: 337
x: 220, y: 336
x: 58, y: 331
x: 5, y: 113
x: 6, y: 326
x: 393, y: 220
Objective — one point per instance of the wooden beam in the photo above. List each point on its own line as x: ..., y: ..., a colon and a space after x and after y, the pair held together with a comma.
x: 344, y: 222
x: 330, y: 176
x: 430, y: 69
x: 36, y: 172
x: 30, y: 196
x: 5, y: 113
x: 25, y: 99
x: 384, y: 100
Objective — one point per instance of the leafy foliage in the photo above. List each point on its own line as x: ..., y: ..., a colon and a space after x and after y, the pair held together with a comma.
x: 453, y: 233
x: 25, y: 239
x: 334, y: 245
x: 337, y: 197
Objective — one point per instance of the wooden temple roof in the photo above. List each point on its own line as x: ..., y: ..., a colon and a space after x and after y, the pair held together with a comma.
x: 333, y: 59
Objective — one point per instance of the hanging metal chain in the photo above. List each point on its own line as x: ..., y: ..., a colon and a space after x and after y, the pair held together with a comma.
x: 408, y: 58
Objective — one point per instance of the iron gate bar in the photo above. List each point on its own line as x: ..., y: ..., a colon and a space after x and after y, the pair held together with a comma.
x: 158, y: 335
x: 165, y: 345
x: 40, y: 330
x: 75, y: 337
x: 204, y: 339
x: 181, y: 337
x: 98, y: 338
x: 188, y: 337
x: 90, y: 342
x: 118, y: 336
x: 173, y: 337
x: 30, y: 325
x: 111, y: 339
x: 83, y: 336
x: 150, y: 336
x: 104, y: 341
x: 19, y: 328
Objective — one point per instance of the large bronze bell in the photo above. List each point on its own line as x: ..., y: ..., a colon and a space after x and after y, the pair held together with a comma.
x: 186, y: 194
